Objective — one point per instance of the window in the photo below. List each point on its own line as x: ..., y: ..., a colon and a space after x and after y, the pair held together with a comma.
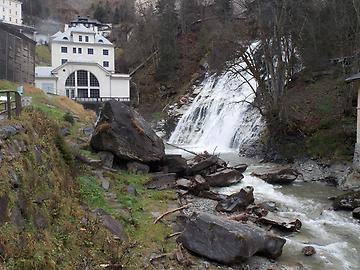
x: 83, y: 93
x: 82, y: 78
x: 94, y: 93
x: 93, y: 80
x: 80, y: 38
x: 106, y: 63
x: 74, y: 50
x: 70, y: 81
x: 105, y: 52
x: 70, y: 93
x: 64, y: 49
x: 65, y: 38
x: 86, y: 38
x: 63, y: 61
x: 101, y: 41
x: 79, y: 51
x: 90, y: 51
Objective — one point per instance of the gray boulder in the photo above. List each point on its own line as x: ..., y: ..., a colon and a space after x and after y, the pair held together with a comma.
x: 224, y: 178
x: 123, y: 132
x: 278, y: 176
x: 348, y: 201
x: 228, y: 241
x: 238, y: 201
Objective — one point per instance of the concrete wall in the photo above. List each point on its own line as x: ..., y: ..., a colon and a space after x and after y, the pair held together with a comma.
x: 17, y: 55
x: 46, y: 84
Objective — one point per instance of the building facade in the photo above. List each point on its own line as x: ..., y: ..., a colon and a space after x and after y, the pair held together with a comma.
x: 11, y: 11
x: 17, y: 55
x: 83, y: 64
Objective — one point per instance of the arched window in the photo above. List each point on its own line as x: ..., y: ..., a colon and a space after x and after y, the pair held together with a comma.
x: 65, y: 38
x: 101, y: 41
x: 82, y: 84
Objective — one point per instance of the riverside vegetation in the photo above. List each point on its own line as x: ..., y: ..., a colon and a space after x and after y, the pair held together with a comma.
x: 48, y: 197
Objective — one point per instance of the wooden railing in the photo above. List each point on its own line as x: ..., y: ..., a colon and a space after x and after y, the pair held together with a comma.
x: 11, y: 103
x: 100, y: 99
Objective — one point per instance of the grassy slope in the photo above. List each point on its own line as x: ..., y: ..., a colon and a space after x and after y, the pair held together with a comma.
x: 322, y: 110
x: 68, y: 240
x: 43, y: 55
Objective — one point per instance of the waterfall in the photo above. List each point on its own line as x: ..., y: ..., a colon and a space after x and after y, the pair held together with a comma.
x: 221, y: 117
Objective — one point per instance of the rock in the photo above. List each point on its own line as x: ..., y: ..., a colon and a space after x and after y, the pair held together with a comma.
x: 17, y: 219
x: 281, y: 223
x: 202, y: 165
x: 105, y: 183
x: 131, y: 190
x: 4, y: 211
x: 15, y: 180
x: 227, y: 241
x: 278, y: 176
x: 137, y: 168
x: 161, y: 181
x: 9, y: 130
x: 40, y: 220
x: 224, y: 178
x: 208, y: 194
x: 356, y: 213
x: 238, y: 201
x: 348, y: 201
x: 175, y: 164
x: 123, y: 132
x: 195, y: 184
x: 309, y: 251
x: 114, y: 226
x: 240, y: 168
x: 65, y: 132
x: 88, y: 131
x: 106, y: 158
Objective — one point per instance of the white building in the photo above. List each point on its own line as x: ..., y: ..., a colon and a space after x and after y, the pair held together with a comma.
x: 11, y: 11
x: 83, y: 65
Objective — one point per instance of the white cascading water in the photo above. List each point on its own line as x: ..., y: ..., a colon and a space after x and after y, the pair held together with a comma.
x: 221, y: 117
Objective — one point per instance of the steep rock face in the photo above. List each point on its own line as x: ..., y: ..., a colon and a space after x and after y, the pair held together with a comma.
x: 228, y: 241
x: 123, y: 132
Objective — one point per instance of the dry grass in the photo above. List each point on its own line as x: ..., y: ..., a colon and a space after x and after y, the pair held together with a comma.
x: 30, y: 90
x: 68, y: 104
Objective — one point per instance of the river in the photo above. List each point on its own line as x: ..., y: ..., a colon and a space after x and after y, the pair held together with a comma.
x: 334, y: 234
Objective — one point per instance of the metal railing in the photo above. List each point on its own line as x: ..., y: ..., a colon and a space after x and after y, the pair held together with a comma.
x: 10, y: 101
x: 99, y: 99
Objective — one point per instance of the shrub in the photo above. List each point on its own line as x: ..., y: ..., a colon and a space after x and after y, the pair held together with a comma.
x: 69, y: 118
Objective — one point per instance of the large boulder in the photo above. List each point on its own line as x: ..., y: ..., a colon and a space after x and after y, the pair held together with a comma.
x: 280, y: 176
x: 228, y: 241
x: 238, y: 201
x: 123, y: 132
x: 224, y: 178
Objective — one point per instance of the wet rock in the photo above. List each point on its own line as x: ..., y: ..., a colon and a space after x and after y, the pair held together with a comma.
x: 238, y: 201
x: 123, y: 132
x: 106, y: 158
x: 175, y: 164
x: 4, y: 211
x: 278, y: 176
x: 114, y: 226
x: 309, y: 251
x: 281, y: 223
x: 161, y: 181
x: 356, y: 213
x: 202, y: 165
x: 228, y: 241
x: 137, y: 168
x: 40, y: 220
x: 224, y: 178
x: 195, y: 184
x: 241, y: 168
x: 348, y: 201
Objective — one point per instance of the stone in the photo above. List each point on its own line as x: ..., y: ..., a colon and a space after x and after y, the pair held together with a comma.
x: 195, y: 184
x: 309, y: 251
x: 281, y: 222
x: 88, y: 131
x: 131, y: 190
x: 17, y: 219
x: 227, y: 241
x: 9, y: 130
x: 202, y: 165
x: 114, y: 226
x: 161, y: 181
x: 40, y: 220
x: 105, y: 183
x: 356, y: 213
x: 123, y: 132
x: 15, y: 180
x: 137, y: 168
x: 238, y: 201
x: 4, y: 210
x: 224, y: 178
x: 278, y: 176
x: 348, y: 201
x: 175, y: 164
x: 106, y: 158
x: 65, y: 132
x: 241, y: 168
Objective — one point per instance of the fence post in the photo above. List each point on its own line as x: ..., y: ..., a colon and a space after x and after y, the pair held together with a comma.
x: 8, y: 101
x: 18, y: 104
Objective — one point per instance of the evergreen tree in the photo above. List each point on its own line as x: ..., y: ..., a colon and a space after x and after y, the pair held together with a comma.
x: 100, y: 13
x: 168, y: 27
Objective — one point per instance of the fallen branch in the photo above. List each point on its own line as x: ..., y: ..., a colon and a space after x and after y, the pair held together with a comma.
x: 181, y: 148
x: 173, y: 235
x: 160, y: 257
x: 170, y: 212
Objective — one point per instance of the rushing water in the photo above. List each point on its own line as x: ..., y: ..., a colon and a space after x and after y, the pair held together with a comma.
x: 220, y: 117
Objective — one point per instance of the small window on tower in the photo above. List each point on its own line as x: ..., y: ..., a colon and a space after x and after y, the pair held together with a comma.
x: 80, y: 38
x: 64, y: 49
